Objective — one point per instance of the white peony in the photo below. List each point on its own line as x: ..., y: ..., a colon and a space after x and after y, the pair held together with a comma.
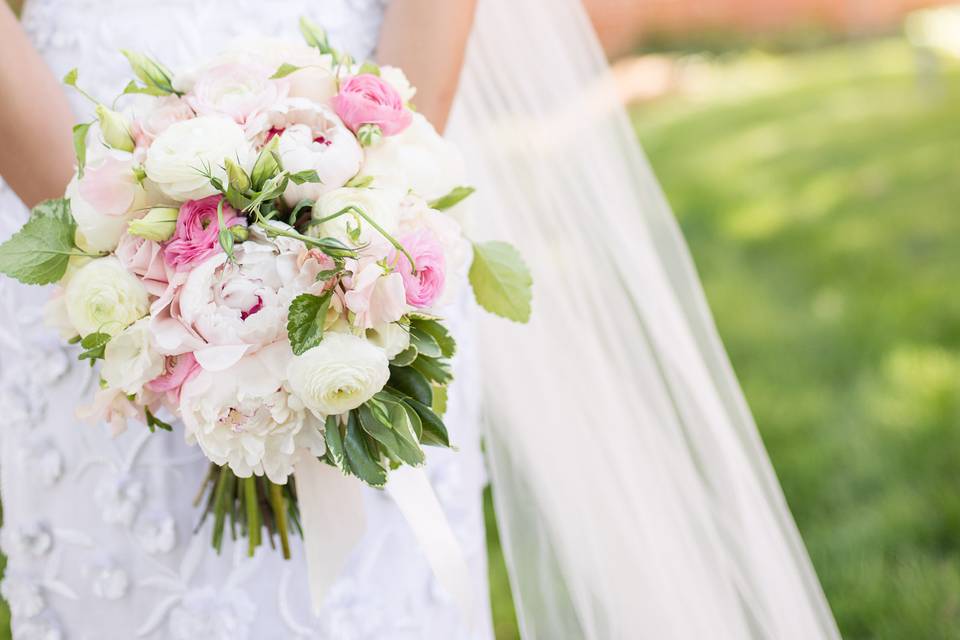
x: 103, y: 296
x: 391, y: 337
x: 419, y: 159
x: 246, y: 419
x: 383, y: 207
x: 178, y: 157
x: 339, y: 374
x: 131, y: 360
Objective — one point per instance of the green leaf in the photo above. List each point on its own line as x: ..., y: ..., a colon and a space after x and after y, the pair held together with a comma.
x: 307, y: 315
x: 434, y: 370
x: 439, y: 333
x: 456, y: 195
x: 439, y: 399
x: 94, y: 345
x: 411, y: 382
x: 301, y: 177
x: 284, y: 70
x: 359, y: 458
x: 70, y: 79
x: 379, y: 429
x: 315, y: 36
x: 359, y: 182
x: 434, y: 431
x: 501, y: 281
x: 154, y: 423
x: 405, y: 358
x: 80, y: 145
x: 133, y: 88
x: 40, y: 251
x: 424, y: 343
x: 369, y: 67
x: 334, y: 441
x: 401, y: 439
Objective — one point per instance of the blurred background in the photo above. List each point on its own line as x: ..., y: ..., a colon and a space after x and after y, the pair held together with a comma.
x: 811, y: 150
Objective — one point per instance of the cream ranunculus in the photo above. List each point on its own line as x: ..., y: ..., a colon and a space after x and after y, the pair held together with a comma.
x: 390, y: 337
x: 339, y: 374
x: 179, y: 155
x: 130, y: 359
x: 383, y: 207
x: 246, y: 419
x: 103, y: 296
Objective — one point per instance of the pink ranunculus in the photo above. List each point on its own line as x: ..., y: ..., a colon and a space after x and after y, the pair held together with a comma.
x: 110, y: 186
x: 163, y: 112
x: 425, y: 286
x: 366, y: 99
x: 196, y: 237
x: 178, y: 370
x: 374, y: 296
x: 144, y: 259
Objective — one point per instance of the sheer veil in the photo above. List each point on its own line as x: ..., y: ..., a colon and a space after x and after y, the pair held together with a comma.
x: 634, y: 495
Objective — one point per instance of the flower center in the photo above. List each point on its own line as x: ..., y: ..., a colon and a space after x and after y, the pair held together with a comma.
x: 252, y: 310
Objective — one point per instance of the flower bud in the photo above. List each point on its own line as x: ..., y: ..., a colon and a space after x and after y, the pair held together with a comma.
x: 236, y: 176
x: 266, y: 166
x: 239, y: 232
x: 315, y: 36
x: 149, y: 72
x: 116, y: 130
x: 158, y: 225
x: 369, y: 134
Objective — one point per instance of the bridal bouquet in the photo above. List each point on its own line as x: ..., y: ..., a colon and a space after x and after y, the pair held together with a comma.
x: 262, y: 248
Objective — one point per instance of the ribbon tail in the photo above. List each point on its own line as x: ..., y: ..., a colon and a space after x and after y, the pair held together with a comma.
x: 414, y: 495
x: 333, y: 520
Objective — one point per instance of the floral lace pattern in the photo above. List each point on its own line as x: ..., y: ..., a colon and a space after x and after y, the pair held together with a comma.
x: 100, y: 532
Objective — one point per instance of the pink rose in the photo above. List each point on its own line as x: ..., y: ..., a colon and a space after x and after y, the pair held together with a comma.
x: 144, y: 259
x: 110, y: 186
x: 366, y: 99
x: 196, y: 237
x: 178, y: 371
x: 374, y: 296
x: 164, y: 112
x: 238, y: 91
x: 425, y: 286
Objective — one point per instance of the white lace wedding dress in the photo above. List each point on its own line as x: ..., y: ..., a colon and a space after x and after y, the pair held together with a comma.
x: 99, y: 531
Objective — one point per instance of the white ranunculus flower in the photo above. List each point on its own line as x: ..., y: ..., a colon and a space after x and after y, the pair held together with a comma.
x: 246, y: 419
x: 390, y: 337
x: 418, y: 158
x: 103, y: 296
x: 383, y: 207
x: 130, y: 359
x: 339, y: 374
x: 179, y: 155
x: 396, y: 78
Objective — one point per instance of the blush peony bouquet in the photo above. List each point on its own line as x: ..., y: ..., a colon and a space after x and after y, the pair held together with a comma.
x: 260, y: 249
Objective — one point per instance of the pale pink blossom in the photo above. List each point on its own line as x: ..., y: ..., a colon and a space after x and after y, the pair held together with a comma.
x: 197, y: 234
x: 164, y: 112
x: 237, y: 91
x: 110, y: 186
x: 424, y: 287
x: 367, y: 99
x: 375, y: 296
x: 178, y: 370
x: 144, y: 259
x: 113, y: 407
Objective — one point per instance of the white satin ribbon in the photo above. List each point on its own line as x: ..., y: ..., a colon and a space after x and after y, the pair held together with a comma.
x: 333, y: 519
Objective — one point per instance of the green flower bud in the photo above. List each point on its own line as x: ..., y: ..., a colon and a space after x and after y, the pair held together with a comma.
x: 236, y: 176
x: 266, y: 166
x: 158, y: 225
x: 149, y: 72
x: 315, y: 36
x: 115, y: 129
x: 239, y: 232
x: 369, y: 134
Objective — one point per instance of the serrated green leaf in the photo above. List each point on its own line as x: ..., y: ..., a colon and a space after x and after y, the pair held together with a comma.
x: 405, y: 358
x: 334, y: 440
x: 80, y: 145
x: 305, y: 321
x: 284, y: 70
x: 411, y: 382
x: 40, y: 251
x: 456, y: 195
x: 439, y: 333
x: 434, y: 431
x: 154, y: 423
x: 358, y: 456
x: 94, y: 345
x: 501, y: 281
x: 434, y: 370
x: 424, y: 343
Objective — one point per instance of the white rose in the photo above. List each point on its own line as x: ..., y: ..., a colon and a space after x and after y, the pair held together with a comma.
x: 130, y: 359
x: 177, y: 157
x: 246, y: 419
x: 396, y: 78
x: 103, y: 296
x: 383, y: 207
x: 390, y: 337
x: 418, y: 159
x: 339, y: 374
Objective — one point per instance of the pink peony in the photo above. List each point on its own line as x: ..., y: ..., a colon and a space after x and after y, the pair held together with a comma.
x: 196, y: 237
x: 366, y: 99
x: 237, y: 91
x: 425, y: 286
x: 178, y: 371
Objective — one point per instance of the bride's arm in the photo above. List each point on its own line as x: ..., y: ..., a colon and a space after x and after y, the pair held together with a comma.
x: 427, y: 40
x: 36, y: 154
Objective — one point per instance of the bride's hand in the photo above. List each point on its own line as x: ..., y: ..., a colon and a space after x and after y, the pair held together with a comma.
x: 36, y: 157
x: 427, y: 40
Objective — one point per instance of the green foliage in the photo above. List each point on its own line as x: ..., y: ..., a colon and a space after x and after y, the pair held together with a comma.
x: 40, y: 251
x: 154, y: 423
x: 456, y: 195
x: 305, y: 321
x: 501, y: 281
x: 80, y: 145
x: 94, y: 346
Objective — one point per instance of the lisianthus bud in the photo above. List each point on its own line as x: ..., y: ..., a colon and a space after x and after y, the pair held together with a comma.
x: 158, y: 225
x: 369, y: 134
x: 148, y: 71
x: 266, y: 166
x: 115, y: 128
x: 236, y: 176
x: 239, y: 233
